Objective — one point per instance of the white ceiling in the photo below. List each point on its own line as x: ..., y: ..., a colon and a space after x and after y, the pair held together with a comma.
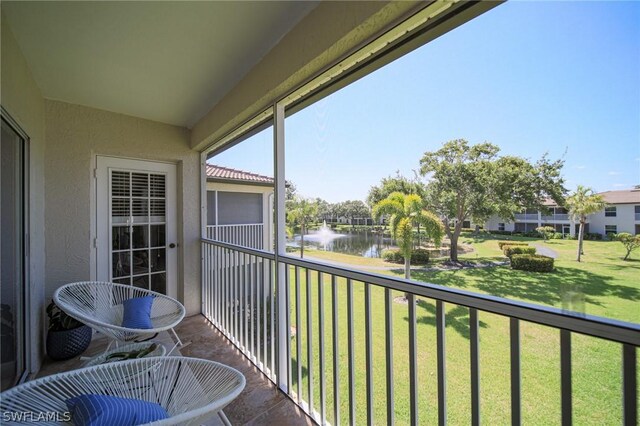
x: 165, y: 61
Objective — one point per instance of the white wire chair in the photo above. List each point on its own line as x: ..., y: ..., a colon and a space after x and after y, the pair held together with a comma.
x: 100, y: 306
x: 190, y: 389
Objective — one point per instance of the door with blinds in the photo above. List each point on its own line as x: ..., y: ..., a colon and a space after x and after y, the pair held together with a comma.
x: 136, y: 225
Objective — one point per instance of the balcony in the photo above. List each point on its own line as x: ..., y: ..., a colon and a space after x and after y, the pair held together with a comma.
x: 337, y: 344
x: 526, y: 216
x: 555, y: 218
x: 260, y: 404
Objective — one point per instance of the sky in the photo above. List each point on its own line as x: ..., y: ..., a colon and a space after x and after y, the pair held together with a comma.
x: 561, y: 78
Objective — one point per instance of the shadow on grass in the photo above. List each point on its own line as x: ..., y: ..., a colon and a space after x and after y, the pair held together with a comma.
x: 456, y: 318
x: 565, y: 287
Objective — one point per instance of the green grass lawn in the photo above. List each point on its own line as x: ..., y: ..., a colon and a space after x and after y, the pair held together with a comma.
x: 600, y: 285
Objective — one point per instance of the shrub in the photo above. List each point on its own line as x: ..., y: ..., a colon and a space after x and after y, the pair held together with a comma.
x: 500, y: 232
x: 501, y: 244
x: 418, y: 256
x: 630, y: 242
x: 532, y: 263
x: 557, y: 236
x: 512, y: 250
x: 594, y: 236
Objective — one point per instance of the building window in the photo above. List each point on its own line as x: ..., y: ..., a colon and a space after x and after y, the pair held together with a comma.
x: 501, y: 227
x: 610, y: 211
x: 466, y: 224
x: 610, y: 229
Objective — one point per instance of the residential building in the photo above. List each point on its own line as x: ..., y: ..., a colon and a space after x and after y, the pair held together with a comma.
x: 239, y: 207
x: 622, y: 214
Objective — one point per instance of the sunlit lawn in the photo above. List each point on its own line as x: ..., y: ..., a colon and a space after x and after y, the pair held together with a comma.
x: 600, y: 285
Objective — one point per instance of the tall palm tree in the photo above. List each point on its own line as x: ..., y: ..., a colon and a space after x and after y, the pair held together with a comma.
x: 405, y: 211
x: 582, y: 203
x: 301, y: 212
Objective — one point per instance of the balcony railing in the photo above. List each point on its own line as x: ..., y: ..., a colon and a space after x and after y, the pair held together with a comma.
x: 246, y: 235
x: 526, y: 216
x: 253, y: 297
x: 556, y: 217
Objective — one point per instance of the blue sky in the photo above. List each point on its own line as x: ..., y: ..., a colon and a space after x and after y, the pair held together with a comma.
x: 530, y: 77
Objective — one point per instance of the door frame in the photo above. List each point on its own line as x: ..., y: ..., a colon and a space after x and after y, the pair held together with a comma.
x: 100, y: 201
x: 29, y: 357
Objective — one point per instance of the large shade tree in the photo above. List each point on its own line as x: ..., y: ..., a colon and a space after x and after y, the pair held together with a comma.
x: 406, y: 211
x: 391, y: 184
x: 301, y: 212
x: 472, y: 182
x: 583, y: 202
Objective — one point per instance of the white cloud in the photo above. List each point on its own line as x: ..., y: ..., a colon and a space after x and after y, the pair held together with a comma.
x: 615, y: 173
x: 580, y: 167
x: 620, y: 185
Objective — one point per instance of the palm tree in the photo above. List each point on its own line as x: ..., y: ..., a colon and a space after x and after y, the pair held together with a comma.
x: 582, y: 203
x: 301, y: 211
x: 405, y: 211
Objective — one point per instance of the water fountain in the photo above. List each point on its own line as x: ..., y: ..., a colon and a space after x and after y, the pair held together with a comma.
x: 322, y: 237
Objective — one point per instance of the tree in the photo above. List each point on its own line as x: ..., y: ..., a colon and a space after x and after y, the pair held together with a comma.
x: 580, y: 204
x: 290, y: 190
x: 301, y: 212
x: 473, y: 183
x: 545, y: 231
x: 397, y: 183
x: 405, y: 211
x: 630, y: 242
x: 355, y: 209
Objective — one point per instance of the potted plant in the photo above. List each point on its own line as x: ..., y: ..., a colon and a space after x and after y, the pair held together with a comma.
x: 67, y: 337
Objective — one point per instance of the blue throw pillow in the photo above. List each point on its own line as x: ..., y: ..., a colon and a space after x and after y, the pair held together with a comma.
x: 97, y: 410
x: 137, y: 312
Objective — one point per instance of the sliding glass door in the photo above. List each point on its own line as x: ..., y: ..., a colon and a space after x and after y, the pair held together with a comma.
x: 12, y: 253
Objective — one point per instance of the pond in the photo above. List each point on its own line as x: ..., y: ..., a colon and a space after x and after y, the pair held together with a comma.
x: 358, y: 243
x: 363, y: 243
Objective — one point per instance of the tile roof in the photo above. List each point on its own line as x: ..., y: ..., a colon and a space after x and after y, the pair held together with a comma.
x: 627, y: 196
x: 226, y: 173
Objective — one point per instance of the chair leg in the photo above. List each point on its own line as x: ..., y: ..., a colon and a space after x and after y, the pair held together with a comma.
x: 178, y: 342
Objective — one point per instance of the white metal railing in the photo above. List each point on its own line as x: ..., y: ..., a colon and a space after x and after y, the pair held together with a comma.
x: 554, y: 217
x: 526, y: 216
x: 241, y: 298
x: 246, y: 235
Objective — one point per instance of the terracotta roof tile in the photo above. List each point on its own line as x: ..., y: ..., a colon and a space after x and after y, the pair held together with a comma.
x: 226, y: 173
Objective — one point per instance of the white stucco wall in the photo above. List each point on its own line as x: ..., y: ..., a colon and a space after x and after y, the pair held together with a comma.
x: 624, y: 220
x: 22, y: 99
x: 492, y: 224
x: 75, y: 135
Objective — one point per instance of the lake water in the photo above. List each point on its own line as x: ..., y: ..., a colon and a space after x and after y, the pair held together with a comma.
x: 358, y: 243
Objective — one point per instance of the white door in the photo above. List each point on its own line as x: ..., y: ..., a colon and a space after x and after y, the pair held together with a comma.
x: 136, y: 224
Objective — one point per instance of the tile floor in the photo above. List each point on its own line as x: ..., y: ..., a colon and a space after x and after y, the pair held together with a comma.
x: 260, y: 403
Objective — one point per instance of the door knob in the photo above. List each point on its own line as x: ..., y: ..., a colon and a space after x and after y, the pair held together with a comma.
x: 172, y: 245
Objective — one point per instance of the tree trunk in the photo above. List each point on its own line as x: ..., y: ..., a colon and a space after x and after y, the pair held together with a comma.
x: 580, y: 238
x: 453, y: 255
x: 407, y: 272
x: 301, y: 241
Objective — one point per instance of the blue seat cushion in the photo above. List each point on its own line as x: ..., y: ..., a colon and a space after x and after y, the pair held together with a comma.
x: 137, y: 312
x: 97, y: 410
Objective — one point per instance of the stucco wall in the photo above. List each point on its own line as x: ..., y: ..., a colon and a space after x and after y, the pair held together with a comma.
x: 75, y: 135
x: 22, y: 99
x: 624, y: 219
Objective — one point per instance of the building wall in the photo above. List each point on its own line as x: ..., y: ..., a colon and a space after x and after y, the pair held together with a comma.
x: 75, y: 136
x: 22, y: 99
x: 625, y: 219
x: 492, y: 224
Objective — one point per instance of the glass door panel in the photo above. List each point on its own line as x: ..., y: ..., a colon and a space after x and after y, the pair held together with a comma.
x: 138, y: 229
x: 12, y: 294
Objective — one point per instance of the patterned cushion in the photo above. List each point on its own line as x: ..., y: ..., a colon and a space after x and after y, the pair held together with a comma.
x: 97, y: 410
x: 137, y: 312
